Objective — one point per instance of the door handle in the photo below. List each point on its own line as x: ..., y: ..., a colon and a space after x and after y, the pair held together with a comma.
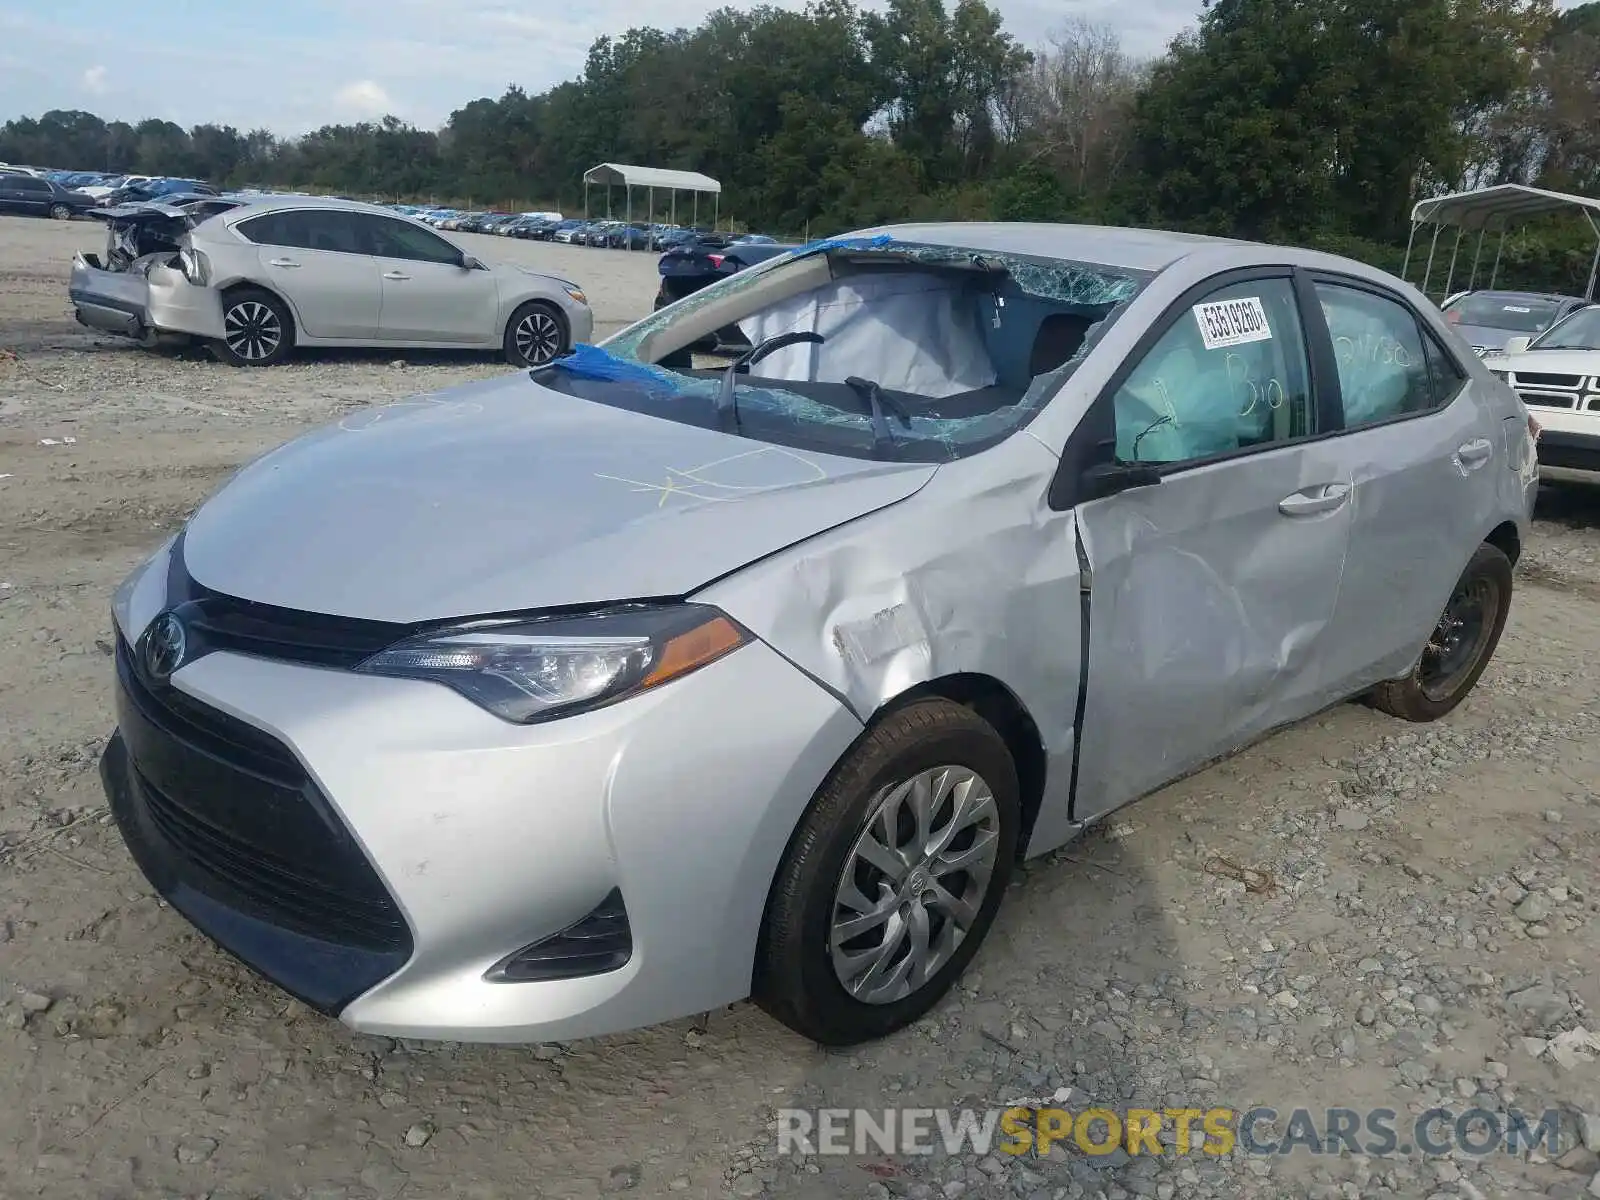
x: 1475, y: 453
x: 282, y: 262
x: 395, y: 275
x: 1314, y: 500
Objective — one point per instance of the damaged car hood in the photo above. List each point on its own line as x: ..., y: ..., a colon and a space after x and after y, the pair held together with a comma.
x: 504, y: 496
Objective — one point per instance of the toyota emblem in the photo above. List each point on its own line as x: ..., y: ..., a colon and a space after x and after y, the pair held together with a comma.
x: 164, y: 647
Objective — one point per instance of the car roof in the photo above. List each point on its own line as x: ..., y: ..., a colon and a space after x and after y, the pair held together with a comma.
x: 278, y: 203
x: 1139, y: 249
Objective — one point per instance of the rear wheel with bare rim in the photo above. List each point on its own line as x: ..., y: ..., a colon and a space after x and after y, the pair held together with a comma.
x: 893, y: 877
x: 1460, y: 646
x: 535, y: 335
x: 257, y: 330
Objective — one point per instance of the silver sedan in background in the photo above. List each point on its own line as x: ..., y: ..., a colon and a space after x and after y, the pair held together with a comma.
x: 689, y: 668
x: 265, y: 276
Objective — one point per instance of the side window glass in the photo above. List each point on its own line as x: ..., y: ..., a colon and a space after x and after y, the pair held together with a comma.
x: 327, y: 229
x: 269, y: 229
x: 397, y: 239
x: 1444, y: 373
x: 305, y: 229
x: 1383, y: 367
x: 1229, y: 374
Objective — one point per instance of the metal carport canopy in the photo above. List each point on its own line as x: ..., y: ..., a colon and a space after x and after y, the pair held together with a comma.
x: 1494, y: 207
x: 653, y: 179
x: 613, y: 174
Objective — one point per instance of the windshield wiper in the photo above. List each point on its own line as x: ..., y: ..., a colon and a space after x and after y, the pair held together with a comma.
x: 870, y: 391
x: 727, y: 399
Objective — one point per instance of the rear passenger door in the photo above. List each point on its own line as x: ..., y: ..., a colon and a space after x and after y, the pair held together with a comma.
x: 1423, y: 453
x: 314, y: 258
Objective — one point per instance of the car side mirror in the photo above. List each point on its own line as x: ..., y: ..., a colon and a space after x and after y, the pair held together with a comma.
x: 471, y: 263
x: 1110, y: 478
x: 1517, y: 345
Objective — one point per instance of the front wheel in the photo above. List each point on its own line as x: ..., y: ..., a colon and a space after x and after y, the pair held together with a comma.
x: 257, y: 330
x: 893, y: 877
x: 1460, y: 646
x: 60, y: 212
x: 535, y: 335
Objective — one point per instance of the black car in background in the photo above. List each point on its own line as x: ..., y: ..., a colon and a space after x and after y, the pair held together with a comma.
x: 693, y: 263
x: 32, y: 196
x: 157, y: 189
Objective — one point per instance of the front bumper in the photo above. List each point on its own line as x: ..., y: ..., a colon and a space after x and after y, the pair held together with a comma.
x: 1569, y: 445
x: 481, y: 836
x: 580, y: 322
x: 1569, y: 457
x: 149, y: 299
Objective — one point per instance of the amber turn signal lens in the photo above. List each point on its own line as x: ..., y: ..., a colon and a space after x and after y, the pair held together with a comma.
x: 688, y: 651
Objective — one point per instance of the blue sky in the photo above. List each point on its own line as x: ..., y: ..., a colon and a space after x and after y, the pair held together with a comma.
x: 292, y: 65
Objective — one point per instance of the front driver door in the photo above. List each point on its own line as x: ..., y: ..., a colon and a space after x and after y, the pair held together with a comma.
x: 1209, y: 591
x: 428, y: 295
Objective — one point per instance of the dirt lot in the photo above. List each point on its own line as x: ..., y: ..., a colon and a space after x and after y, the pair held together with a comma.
x: 1433, y: 899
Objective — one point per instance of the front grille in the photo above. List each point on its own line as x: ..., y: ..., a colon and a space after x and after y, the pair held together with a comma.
x: 1548, y: 399
x: 1538, y: 379
x: 242, y: 821
x: 215, y: 621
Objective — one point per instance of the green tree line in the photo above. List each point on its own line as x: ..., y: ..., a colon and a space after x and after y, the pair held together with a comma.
x: 1316, y: 121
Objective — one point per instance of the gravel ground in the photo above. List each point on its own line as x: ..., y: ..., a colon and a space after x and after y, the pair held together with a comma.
x: 1431, y: 906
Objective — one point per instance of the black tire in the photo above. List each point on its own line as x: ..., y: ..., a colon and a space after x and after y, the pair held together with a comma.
x: 60, y: 212
x: 259, y: 329
x: 795, y: 979
x: 535, y: 335
x: 1453, y: 660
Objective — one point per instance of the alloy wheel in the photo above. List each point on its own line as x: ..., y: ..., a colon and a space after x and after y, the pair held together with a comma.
x: 537, y: 338
x: 913, y: 883
x: 252, y: 330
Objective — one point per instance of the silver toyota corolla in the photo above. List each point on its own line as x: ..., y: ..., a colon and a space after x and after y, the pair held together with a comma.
x: 747, y: 653
x: 254, y: 277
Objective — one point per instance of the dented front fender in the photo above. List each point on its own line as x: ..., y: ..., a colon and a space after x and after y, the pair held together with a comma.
x: 975, y: 575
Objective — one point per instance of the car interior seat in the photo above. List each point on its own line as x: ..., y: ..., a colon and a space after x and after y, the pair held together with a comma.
x: 1059, y: 337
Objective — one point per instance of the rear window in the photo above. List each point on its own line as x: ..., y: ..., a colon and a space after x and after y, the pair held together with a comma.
x: 1520, y: 314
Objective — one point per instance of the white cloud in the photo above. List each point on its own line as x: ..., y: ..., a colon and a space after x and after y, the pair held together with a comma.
x: 94, y: 81
x: 363, y: 98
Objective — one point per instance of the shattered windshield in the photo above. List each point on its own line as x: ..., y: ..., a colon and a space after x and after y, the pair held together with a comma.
x: 867, y: 347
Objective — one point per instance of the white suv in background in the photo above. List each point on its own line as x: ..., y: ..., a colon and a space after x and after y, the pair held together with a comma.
x: 1557, y: 375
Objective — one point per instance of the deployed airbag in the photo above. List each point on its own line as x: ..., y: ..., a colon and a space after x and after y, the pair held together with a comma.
x: 911, y: 331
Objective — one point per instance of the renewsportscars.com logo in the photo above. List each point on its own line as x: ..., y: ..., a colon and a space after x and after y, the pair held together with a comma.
x: 1020, y: 1131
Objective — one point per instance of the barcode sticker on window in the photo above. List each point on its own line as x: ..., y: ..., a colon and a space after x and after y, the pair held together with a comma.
x: 1232, y: 322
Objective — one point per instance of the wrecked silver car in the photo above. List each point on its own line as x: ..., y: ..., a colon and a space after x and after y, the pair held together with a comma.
x: 675, y: 671
x: 256, y: 278
x: 140, y: 271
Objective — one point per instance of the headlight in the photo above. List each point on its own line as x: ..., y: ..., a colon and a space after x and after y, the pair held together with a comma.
x: 577, y: 294
x: 535, y: 670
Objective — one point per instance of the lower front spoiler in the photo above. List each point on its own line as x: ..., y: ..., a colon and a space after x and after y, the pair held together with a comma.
x: 324, y: 975
x: 1569, y: 457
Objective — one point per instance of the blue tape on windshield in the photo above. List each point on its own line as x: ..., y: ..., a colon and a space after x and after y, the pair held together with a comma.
x: 591, y: 362
x: 878, y: 242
